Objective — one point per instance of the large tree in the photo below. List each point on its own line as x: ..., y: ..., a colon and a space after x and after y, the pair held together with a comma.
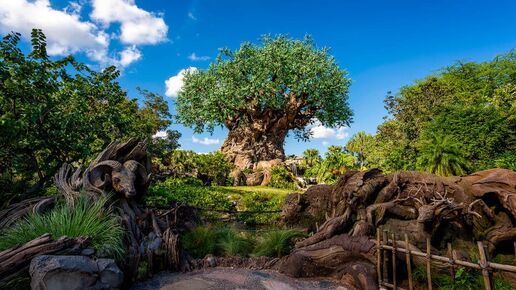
x: 261, y: 92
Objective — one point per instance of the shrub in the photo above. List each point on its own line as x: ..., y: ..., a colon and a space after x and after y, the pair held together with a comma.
x: 232, y: 243
x: 85, y: 219
x: 225, y: 241
x: 213, y: 167
x: 282, y: 178
x: 200, y: 241
x: 276, y: 243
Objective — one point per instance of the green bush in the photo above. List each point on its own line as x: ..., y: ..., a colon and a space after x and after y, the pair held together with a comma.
x: 85, y: 219
x: 228, y: 241
x: 276, y: 243
x: 219, y: 241
x: 200, y: 241
x: 282, y: 178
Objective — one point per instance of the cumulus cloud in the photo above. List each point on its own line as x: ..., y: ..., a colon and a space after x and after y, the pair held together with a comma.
x: 67, y: 33
x: 129, y: 55
x: 319, y: 131
x: 175, y: 83
x: 160, y: 134
x: 205, y: 141
x: 64, y: 30
x: 137, y: 26
x: 191, y: 16
x: 194, y: 57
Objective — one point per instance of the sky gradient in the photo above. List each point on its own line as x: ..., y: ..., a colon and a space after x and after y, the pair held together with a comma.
x: 382, y: 44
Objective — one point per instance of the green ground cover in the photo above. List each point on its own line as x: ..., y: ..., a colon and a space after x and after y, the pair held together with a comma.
x: 253, y: 204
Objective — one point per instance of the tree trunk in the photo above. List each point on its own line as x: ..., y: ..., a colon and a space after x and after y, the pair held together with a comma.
x: 245, y: 146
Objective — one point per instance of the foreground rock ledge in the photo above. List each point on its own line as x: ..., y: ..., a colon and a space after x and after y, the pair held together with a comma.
x: 74, y: 272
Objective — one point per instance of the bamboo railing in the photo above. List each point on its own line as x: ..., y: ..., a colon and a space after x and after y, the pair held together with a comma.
x: 384, y: 245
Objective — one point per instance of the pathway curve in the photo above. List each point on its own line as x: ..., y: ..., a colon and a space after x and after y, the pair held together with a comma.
x: 229, y: 278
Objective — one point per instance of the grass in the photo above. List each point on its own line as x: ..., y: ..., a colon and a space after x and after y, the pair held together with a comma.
x: 229, y: 241
x: 257, y: 189
x: 276, y: 243
x: 85, y: 219
x: 246, y: 198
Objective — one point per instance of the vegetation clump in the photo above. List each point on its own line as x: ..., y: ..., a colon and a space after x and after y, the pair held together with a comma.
x: 229, y: 241
x: 86, y: 218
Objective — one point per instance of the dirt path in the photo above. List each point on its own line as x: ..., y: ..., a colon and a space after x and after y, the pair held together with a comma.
x: 228, y: 278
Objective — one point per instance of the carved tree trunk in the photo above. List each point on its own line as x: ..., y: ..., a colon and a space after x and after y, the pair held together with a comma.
x: 246, y: 146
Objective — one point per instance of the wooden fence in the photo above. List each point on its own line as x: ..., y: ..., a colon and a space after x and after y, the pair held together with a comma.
x: 386, y: 245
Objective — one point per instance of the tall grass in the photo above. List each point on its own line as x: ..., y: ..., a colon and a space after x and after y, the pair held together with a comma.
x: 276, y: 243
x: 228, y: 241
x: 232, y: 243
x: 200, y: 241
x: 85, y: 219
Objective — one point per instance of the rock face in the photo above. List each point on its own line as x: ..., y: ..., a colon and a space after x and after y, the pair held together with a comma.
x: 74, y: 272
x: 254, y: 179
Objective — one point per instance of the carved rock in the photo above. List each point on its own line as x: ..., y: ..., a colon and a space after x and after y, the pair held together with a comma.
x: 74, y: 272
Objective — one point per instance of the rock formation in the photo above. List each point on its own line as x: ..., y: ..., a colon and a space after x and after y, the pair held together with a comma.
x: 479, y: 206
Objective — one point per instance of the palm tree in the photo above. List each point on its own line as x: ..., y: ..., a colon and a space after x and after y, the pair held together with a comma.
x: 311, y: 157
x: 183, y: 162
x: 358, y: 146
x: 441, y: 156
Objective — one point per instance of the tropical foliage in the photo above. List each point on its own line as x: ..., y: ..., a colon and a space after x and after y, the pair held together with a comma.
x: 55, y: 111
x: 470, y: 105
x: 336, y: 161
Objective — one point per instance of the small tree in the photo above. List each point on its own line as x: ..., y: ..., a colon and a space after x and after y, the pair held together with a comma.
x: 311, y: 157
x: 260, y: 93
x: 441, y: 156
x: 358, y: 145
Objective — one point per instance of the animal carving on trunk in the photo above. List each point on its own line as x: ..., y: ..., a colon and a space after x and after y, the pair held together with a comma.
x: 124, y: 178
x: 122, y: 168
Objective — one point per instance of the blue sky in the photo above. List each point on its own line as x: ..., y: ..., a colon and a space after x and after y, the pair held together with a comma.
x: 382, y: 44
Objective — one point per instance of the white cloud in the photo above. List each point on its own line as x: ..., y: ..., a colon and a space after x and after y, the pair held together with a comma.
x: 67, y: 33
x: 191, y: 16
x: 194, y: 57
x: 175, y: 83
x: 319, y: 131
x: 342, y: 133
x: 137, y: 26
x: 205, y: 141
x: 160, y: 134
x: 129, y: 55
x: 64, y: 30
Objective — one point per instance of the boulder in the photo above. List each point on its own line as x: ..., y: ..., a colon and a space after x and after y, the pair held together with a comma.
x: 265, y: 166
x: 74, y: 272
x: 254, y: 179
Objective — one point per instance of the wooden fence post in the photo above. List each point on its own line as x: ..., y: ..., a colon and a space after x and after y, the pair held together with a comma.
x: 452, y: 262
x: 385, y: 272
x: 428, y: 264
x: 379, y: 257
x: 394, y: 280
x: 484, y: 266
x: 409, y: 265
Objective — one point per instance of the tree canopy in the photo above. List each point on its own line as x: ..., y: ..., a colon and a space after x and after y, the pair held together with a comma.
x: 471, y: 105
x: 269, y: 89
x: 55, y: 111
x: 285, y: 75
